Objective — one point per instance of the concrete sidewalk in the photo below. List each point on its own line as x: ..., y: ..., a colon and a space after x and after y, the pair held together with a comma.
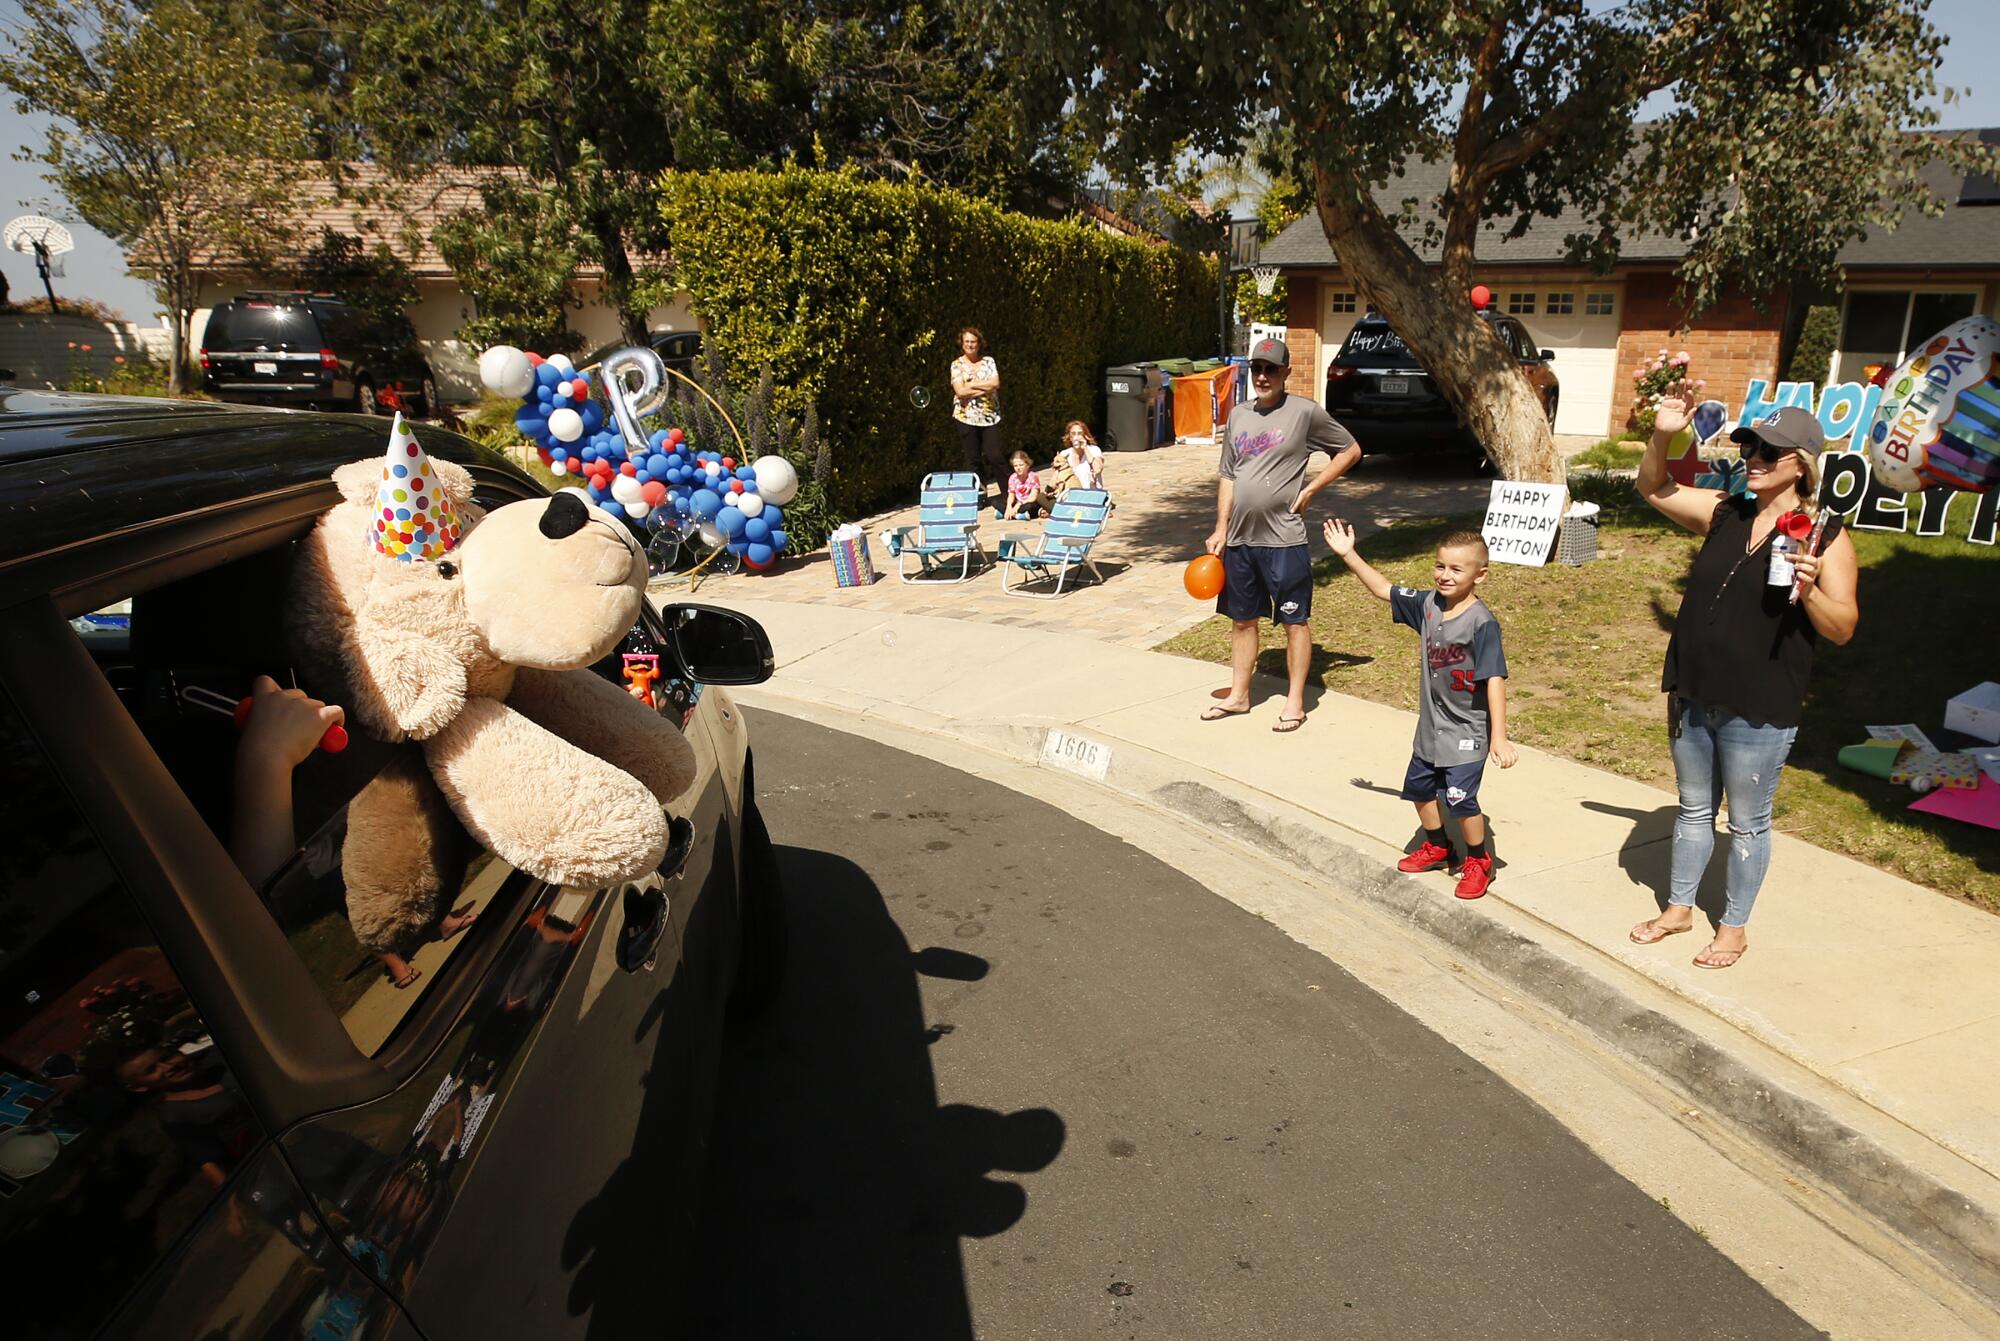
x: 1860, y: 1035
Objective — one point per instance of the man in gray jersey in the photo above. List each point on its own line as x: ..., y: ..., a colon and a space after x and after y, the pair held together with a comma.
x: 1260, y: 528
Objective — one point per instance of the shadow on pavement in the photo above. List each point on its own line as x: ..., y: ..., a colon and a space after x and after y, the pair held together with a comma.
x: 1647, y: 855
x: 838, y: 1188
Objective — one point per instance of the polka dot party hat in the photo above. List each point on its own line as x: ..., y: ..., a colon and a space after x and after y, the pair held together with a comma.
x: 414, y: 519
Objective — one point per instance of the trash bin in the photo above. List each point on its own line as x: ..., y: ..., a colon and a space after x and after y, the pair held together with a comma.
x: 1131, y: 406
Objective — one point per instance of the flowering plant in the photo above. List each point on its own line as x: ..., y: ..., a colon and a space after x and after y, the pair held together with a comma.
x: 1653, y: 379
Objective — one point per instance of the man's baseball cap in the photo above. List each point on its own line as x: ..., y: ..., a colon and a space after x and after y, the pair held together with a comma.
x: 1269, y: 350
x: 1790, y: 429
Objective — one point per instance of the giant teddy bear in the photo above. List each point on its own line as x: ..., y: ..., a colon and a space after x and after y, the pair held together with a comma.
x: 471, y: 634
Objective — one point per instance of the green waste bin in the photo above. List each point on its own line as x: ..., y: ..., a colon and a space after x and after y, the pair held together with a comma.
x: 1131, y: 406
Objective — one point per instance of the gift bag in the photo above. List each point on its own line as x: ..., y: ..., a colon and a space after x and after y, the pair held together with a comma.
x: 853, y: 565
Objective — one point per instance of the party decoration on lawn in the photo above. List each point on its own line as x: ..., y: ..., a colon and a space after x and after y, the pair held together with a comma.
x: 1876, y: 758
x: 1977, y: 805
x: 1203, y: 578
x: 1939, y: 421
x: 689, y: 496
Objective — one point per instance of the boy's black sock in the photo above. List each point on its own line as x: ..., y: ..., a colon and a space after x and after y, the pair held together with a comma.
x: 1477, y: 849
x: 1437, y: 836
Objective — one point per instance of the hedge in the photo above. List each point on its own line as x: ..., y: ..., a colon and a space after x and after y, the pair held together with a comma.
x: 1819, y: 336
x: 854, y: 291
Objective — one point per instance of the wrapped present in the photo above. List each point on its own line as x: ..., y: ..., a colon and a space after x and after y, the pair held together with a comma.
x: 853, y: 565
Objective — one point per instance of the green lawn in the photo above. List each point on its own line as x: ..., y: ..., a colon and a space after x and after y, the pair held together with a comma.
x: 1585, y: 645
x: 1611, y: 454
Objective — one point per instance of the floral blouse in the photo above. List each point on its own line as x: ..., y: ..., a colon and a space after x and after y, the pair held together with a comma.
x: 982, y: 409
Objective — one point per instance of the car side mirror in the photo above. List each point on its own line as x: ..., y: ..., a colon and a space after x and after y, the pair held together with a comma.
x: 1548, y: 354
x: 718, y: 646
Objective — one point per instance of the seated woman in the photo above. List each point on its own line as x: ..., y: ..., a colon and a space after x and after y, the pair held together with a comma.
x: 1080, y: 460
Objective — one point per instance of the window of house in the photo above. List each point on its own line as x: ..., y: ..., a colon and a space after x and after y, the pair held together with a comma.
x: 1597, y: 304
x: 119, y: 1121
x: 1341, y: 301
x: 1562, y: 304
x: 1521, y: 304
x: 1879, y: 326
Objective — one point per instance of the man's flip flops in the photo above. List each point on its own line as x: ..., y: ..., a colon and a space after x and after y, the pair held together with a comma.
x: 1284, y: 726
x: 1216, y: 714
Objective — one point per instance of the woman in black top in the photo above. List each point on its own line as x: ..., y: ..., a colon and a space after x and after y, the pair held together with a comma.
x: 1741, y: 655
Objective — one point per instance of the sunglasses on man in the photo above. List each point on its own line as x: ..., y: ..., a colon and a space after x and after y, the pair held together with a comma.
x: 1265, y: 370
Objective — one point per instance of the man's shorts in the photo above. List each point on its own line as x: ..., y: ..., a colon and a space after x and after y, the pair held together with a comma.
x: 1271, y: 582
x: 1456, y: 784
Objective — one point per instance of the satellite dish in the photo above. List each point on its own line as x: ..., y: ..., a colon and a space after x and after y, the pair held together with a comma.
x: 24, y: 233
x: 46, y: 241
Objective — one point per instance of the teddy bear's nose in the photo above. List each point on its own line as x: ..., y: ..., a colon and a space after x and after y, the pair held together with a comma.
x: 564, y: 517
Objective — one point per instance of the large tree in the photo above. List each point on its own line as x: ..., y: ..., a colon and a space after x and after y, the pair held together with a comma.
x: 174, y: 135
x: 1786, y: 130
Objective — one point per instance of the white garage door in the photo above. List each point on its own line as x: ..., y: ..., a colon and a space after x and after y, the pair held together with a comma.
x: 1585, y: 340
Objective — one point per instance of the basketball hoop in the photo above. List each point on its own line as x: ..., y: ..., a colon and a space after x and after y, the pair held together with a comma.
x: 1266, y: 277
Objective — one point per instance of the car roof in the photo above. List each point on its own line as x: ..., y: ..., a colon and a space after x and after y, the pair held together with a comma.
x: 76, y: 468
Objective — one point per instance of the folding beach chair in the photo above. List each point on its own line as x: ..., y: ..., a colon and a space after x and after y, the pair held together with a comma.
x: 947, y: 530
x: 1074, y: 524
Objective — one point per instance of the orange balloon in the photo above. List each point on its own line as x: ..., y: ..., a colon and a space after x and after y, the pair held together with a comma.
x: 1203, y: 578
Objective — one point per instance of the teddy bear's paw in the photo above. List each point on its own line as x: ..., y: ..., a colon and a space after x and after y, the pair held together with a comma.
x: 627, y: 848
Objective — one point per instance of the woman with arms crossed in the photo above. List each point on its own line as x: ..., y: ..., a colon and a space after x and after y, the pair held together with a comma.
x: 1741, y: 655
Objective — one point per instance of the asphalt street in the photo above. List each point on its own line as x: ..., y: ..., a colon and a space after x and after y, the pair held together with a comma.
x: 1028, y: 1081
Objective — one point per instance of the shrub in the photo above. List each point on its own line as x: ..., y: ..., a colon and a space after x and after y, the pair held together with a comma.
x: 853, y: 292
x: 134, y: 375
x: 1819, y: 336
x: 1652, y: 380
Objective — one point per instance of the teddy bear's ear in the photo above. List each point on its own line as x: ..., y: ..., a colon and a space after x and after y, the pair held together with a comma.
x: 457, y: 480
x: 358, y: 481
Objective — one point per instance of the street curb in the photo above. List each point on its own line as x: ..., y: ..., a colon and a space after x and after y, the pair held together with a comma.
x: 1955, y: 1229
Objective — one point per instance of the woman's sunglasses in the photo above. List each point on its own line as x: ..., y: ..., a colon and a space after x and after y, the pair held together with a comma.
x: 1759, y: 450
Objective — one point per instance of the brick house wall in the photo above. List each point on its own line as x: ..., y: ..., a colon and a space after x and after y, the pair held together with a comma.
x: 1302, y: 334
x: 1730, y: 343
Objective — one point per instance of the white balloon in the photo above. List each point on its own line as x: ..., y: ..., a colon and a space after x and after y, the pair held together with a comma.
x: 712, y: 467
x: 558, y: 467
x: 626, y: 489
x: 749, y: 504
x: 637, y: 511
x: 776, y: 480
x: 712, y: 536
x: 561, y: 363
x: 565, y: 425
x: 505, y: 371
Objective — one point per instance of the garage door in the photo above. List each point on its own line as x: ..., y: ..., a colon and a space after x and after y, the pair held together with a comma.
x: 1581, y: 325
x: 1339, y: 309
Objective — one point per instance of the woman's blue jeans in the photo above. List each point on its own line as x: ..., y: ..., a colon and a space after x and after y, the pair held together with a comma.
x: 1717, y: 753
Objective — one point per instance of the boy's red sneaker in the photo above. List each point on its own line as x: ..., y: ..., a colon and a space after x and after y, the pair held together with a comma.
x: 1426, y: 858
x: 1474, y: 877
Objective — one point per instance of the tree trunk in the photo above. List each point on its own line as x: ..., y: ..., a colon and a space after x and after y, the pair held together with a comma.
x: 618, y: 277
x: 177, y: 374
x: 1460, y: 351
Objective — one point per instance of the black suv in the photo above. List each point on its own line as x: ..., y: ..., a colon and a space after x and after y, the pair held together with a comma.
x: 312, y: 351
x: 678, y: 350
x: 1376, y: 379
x: 220, y: 1114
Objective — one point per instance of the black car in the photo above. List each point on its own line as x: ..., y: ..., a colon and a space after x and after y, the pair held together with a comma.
x: 219, y: 1115
x: 1375, y: 378
x: 678, y: 350
x: 312, y: 351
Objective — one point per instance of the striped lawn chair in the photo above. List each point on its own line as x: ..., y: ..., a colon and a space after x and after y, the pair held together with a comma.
x: 1064, y: 544
x: 946, y: 533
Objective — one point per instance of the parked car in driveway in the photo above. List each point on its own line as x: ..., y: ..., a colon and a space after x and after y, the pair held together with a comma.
x: 219, y: 1116
x: 312, y: 351
x: 678, y: 350
x: 1376, y: 379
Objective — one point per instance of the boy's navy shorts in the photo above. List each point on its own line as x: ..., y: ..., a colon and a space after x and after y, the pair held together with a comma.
x: 1457, y: 785
x: 1271, y: 582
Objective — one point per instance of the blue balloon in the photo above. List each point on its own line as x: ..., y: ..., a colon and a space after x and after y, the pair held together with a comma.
x: 546, y: 374
x: 778, y: 539
x: 736, y: 547
x: 642, y: 477
x: 545, y: 394
x: 676, y: 459
x: 657, y: 462
x: 705, y: 503
x: 681, y: 504
x: 757, y: 529
x: 731, y: 521
x: 745, y: 473
x: 759, y: 554
x: 773, y: 515
x: 559, y: 453
x: 593, y: 416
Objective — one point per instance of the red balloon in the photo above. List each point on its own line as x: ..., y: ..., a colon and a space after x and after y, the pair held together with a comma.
x: 653, y: 492
x: 736, y: 486
x: 628, y: 469
x: 534, y: 359
x: 753, y: 565
x: 1481, y: 296
x: 580, y: 389
x: 729, y: 463
x: 676, y: 435
x: 1203, y: 578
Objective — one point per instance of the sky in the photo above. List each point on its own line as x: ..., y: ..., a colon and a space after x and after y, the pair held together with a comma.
x: 97, y: 268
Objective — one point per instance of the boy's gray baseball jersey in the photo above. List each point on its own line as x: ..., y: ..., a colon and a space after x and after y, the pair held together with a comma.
x: 1459, y: 656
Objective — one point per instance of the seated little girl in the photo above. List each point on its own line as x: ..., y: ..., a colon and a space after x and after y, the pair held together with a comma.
x: 1024, y: 490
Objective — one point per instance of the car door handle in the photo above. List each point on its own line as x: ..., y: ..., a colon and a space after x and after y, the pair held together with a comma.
x: 680, y: 846
x: 646, y: 905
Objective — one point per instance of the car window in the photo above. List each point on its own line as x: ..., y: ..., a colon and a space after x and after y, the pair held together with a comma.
x: 251, y: 326
x: 1377, y: 345
x: 119, y: 1121
x: 373, y: 926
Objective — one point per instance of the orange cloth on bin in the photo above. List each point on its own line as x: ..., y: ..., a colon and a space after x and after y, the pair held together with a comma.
x: 1202, y: 402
